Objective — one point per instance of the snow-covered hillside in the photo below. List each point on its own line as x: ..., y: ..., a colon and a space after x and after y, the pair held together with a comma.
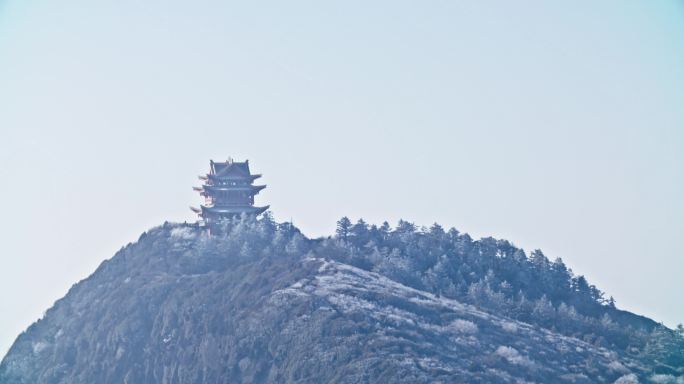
x: 264, y: 304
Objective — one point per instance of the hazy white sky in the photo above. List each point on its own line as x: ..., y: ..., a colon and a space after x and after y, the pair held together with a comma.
x: 556, y: 125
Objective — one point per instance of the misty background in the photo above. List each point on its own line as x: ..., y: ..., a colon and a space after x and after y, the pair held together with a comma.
x: 557, y: 125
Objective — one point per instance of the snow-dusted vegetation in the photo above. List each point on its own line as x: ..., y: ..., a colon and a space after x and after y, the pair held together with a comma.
x: 259, y: 302
x: 498, y: 277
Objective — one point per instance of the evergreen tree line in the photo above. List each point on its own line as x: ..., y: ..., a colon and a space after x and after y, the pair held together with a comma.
x: 491, y: 274
x: 498, y: 277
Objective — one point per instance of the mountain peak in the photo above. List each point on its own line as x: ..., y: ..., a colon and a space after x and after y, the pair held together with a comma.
x: 261, y: 302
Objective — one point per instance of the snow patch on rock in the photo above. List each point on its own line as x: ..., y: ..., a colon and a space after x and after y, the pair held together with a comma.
x: 39, y: 346
x: 513, y: 356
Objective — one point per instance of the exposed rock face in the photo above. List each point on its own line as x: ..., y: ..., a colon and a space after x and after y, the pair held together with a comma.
x: 180, y: 307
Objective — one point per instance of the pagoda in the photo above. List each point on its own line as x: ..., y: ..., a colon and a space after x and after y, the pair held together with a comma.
x: 228, y: 191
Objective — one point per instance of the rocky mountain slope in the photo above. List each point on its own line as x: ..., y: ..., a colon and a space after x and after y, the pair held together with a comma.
x: 264, y: 304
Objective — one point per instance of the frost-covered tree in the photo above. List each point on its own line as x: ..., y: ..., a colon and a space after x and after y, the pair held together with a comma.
x: 543, y: 311
x: 665, y: 349
x: 567, y: 317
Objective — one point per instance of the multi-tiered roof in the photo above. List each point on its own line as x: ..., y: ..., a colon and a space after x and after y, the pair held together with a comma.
x: 228, y: 191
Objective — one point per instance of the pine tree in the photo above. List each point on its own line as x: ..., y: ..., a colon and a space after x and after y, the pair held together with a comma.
x: 405, y: 227
x: 539, y: 260
x: 384, y: 230
x: 543, y: 311
x: 343, y: 226
x: 436, y: 230
x: 359, y: 233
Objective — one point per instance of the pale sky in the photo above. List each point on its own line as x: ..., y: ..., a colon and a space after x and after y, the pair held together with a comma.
x: 556, y: 125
